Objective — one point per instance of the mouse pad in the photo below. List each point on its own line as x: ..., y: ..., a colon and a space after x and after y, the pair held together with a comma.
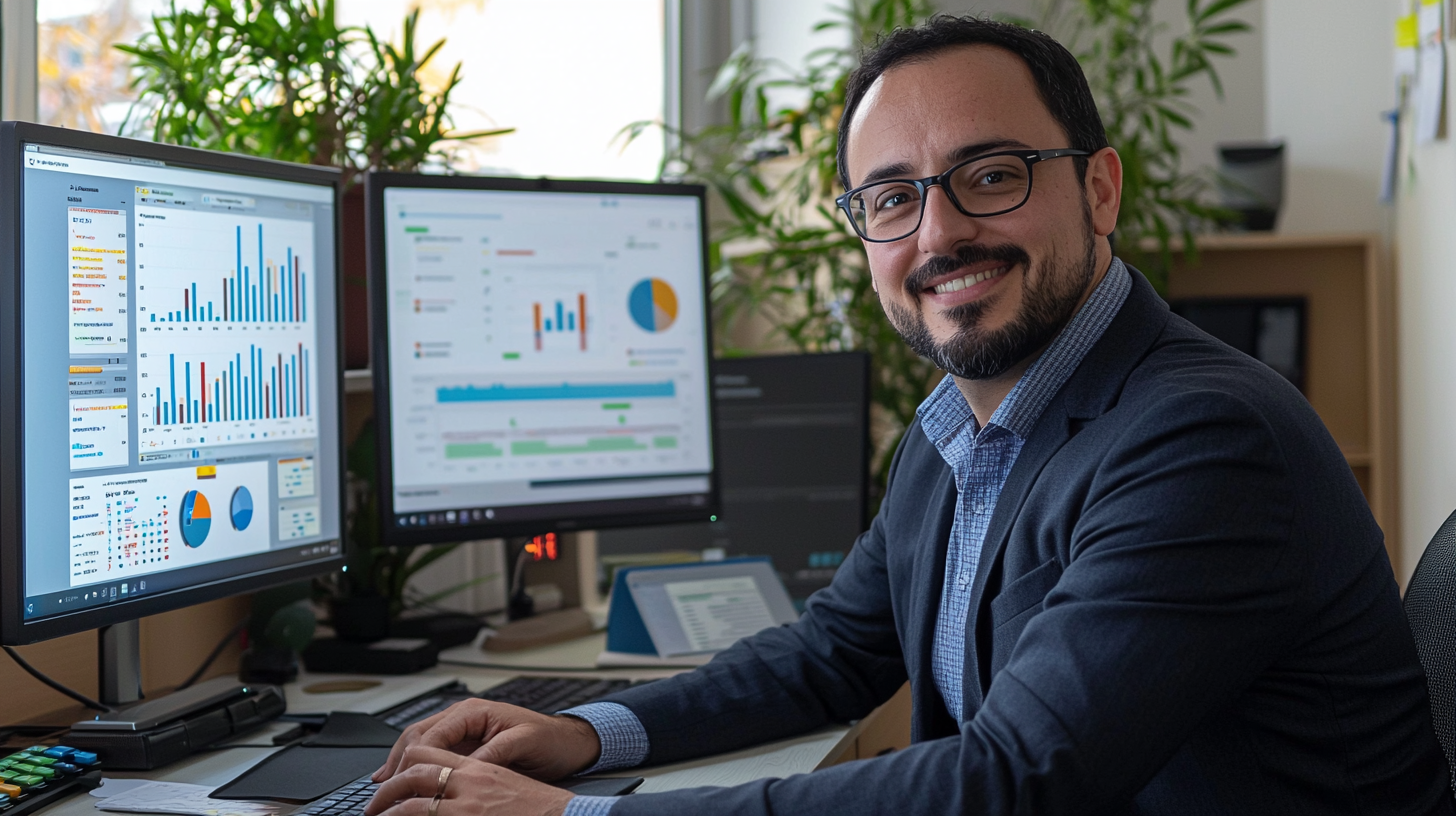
x: 349, y: 746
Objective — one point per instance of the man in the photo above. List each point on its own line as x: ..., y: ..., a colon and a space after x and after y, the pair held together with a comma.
x: 1123, y: 567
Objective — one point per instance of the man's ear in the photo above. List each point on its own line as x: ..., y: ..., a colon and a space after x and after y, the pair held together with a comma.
x: 1104, y: 189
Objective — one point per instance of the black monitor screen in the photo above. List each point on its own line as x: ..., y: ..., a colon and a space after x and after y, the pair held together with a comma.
x: 794, y: 436
x: 175, y: 374
x: 540, y: 355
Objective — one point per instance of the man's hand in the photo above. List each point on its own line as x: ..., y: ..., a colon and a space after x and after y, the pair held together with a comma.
x: 536, y: 745
x: 474, y: 788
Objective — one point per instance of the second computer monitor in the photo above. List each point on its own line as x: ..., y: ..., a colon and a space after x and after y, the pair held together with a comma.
x: 794, y: 435
x: 541, y: 355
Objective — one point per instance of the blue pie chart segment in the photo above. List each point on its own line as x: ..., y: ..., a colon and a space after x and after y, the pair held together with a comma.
x: 242, y: 509
x: 196, y: 519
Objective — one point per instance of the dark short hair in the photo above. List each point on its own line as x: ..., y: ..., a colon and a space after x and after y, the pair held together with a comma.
x: 1059, y: 78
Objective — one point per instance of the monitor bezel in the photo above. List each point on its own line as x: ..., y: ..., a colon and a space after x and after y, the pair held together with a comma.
x: 14, y: 630
x: 391, y: 534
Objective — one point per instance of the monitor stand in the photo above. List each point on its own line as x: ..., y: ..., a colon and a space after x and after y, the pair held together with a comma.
x: 119, y: 661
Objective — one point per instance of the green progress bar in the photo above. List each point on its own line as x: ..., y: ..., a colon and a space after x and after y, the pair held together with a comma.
x: 416, y: 229
x: 616, y: 406
x: 607, y: 444
x: 472, y: 450
x: 512, y: 355
x: 664, y: 441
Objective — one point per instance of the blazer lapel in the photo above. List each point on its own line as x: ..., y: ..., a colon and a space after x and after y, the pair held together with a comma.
x: 1052, y: 431
x: 1091, y: 391
x: 932, y: 718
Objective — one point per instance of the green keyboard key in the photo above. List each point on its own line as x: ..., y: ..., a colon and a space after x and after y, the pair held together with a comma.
x: 43, y: 773
x: 38, y: 760
x: 27, y: 782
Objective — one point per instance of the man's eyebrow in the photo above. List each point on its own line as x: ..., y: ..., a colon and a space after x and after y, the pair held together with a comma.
x: 901, y: 170
x: 972, y: 150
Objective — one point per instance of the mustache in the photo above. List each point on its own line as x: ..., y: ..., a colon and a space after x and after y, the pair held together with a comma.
x: 1008, y: 254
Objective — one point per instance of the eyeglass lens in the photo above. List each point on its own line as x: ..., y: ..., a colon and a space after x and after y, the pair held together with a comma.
x: 891, y: 210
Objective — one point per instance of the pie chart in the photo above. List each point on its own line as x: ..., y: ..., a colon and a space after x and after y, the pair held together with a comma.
x: 242, y: 509
x: 196, y: 518
x: 653, y: 304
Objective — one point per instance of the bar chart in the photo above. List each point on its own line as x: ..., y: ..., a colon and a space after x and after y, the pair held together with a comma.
x: 226, y: 331
x: 560, y: 320
x: 200, y: 268
x: 263, y: 390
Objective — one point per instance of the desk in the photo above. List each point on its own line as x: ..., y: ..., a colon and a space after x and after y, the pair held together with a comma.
x: 800, y: 754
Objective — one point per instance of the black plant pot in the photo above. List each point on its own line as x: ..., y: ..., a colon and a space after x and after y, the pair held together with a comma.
x: 362, y: 619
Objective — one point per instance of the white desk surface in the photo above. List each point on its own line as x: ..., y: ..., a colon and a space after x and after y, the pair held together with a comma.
x: 217, y: 767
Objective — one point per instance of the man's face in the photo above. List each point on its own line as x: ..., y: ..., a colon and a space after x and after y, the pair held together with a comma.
x: 976, y: 296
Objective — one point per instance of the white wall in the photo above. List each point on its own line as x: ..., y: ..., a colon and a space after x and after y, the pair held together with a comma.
x: 1328, y: 77
x: 1425, y: 244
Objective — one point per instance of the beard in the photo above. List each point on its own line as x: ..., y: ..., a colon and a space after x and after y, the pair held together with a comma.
x: 1049, y: 296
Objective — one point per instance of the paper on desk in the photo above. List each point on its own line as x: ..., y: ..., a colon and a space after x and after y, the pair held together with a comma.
x: 175, y: 797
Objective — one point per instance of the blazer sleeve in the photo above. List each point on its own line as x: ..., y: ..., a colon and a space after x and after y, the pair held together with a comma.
x: 839, y: 661
x: 1180, y: 589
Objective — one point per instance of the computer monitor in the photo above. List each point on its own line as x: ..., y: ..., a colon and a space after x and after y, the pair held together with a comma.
x: 541, y: 355
x: 794, y: 432
x: 192, y: 451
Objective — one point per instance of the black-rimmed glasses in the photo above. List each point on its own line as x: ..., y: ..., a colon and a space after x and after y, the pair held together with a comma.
x: 981, y: 186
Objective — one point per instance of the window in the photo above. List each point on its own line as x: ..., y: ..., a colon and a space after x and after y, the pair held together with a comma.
x: 568, y: 75
x: 82, y: 82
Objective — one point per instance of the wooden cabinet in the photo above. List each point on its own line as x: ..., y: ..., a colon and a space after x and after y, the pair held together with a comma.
x: 1350, y: 363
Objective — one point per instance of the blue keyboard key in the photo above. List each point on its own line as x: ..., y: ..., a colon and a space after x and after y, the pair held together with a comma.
x: 59, y: 752
x: 66, y: 767
x: 84, y: 758
x: 4, y: 800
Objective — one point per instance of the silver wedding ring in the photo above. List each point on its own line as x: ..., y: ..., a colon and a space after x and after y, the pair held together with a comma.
x: 434, y: 808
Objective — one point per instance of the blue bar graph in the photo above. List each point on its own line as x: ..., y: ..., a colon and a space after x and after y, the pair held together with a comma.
x: 273, y: 386
x: 267, y: 293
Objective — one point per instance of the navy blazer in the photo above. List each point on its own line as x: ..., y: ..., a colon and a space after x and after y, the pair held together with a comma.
x: 1183, y: 606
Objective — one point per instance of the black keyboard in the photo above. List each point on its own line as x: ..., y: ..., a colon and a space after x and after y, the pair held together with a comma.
x: 544, y: 694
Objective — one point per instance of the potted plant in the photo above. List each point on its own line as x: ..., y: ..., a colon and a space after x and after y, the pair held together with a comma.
x: 281, y: 79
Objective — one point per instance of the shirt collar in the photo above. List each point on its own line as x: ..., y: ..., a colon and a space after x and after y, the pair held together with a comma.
x: 945, y: 412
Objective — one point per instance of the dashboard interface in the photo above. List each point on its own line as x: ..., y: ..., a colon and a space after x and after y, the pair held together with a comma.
x: 179, y: 352
x: 544, y: 348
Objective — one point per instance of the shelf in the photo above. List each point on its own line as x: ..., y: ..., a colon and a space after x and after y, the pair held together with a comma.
x: 1271, y: 240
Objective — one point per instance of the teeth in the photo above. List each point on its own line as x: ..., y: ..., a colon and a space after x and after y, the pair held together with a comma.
x: 969, y: 280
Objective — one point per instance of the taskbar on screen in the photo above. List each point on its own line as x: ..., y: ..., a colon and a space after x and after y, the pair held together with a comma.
x: 124, y: 588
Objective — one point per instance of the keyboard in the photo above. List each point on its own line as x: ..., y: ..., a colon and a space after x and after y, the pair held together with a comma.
x: 544, y: 694
x: 41, y: 774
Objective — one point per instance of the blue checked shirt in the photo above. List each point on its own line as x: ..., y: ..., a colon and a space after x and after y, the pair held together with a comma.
x: 980, y: 459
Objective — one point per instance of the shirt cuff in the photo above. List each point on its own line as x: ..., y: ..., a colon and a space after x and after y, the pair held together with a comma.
x: 589, y: 806
x: 624, y: 740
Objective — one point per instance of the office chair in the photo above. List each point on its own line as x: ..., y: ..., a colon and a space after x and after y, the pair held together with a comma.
x: 1430, y: 606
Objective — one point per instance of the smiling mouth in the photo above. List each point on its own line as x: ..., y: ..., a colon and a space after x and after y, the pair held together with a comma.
x: 969, y: 280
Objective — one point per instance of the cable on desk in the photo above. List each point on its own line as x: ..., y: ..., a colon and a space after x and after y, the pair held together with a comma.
x: 216, y: 652
x: 74, y: 695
